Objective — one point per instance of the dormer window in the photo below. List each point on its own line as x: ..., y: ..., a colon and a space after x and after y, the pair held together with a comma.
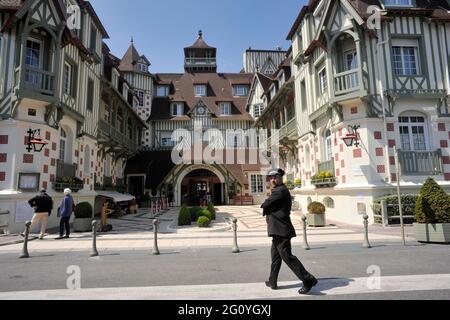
x: 225, y: 108
x: 200, y: 90
x: 177, y: 109
x: 142, y: 67
x: 398, y: 3
x: 162, y: 91
x: 240, y: 91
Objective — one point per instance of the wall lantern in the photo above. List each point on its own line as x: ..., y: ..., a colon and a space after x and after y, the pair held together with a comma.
x: 352, y: 139
x: 35, y: 142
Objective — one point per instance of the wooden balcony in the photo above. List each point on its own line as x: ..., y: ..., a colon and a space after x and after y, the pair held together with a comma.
x: 35, y: 84
x: 421, y: 163
x: 346, y: 82
x: 64, y: 170
x: 110, y: 133
x: 289, y: 131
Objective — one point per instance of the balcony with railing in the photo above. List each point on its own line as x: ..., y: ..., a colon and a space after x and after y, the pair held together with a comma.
x: 325, y: 178
x: 289, y: 130
x: 421, y: 163
x: 346, y: 82
x: 108, y: 131
x: 66, y: 177
x: 200, y: 62
x: 35, y: 83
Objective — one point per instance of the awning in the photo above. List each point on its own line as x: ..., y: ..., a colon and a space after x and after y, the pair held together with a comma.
x: 115, y: 196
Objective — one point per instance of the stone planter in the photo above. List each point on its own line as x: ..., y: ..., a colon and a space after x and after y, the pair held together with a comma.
x: 82, y: 225
x: 316, y: 220
x: 432, y: 233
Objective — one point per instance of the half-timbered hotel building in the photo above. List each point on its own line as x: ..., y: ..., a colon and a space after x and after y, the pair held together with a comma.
x: 52, y: 78
x: 392, y: 81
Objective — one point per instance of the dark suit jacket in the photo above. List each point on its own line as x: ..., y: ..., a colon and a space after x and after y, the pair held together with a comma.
x: 277, y: 210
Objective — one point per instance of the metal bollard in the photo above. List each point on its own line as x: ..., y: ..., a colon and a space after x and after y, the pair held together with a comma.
x: 384, y: 213
x: 305, y: 236
x: 25, y: 242
x: 366, y: 232
x: 235, y: 244
x: 155, y: 233
x: 94, y: 252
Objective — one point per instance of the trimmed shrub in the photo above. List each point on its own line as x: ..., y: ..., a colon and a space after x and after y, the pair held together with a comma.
x: 203, y: 222
x: 194, y: 213
x: 433, y: 204
x: 83, y: 211
x: 408, y: 205
x: 205, y: 213
x: 316, y: 208
x: 212, y: 210
x: 184, y: 218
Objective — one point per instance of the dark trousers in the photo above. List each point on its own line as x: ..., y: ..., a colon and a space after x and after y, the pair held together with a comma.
x: 64, y: 223
x: 282, y: 251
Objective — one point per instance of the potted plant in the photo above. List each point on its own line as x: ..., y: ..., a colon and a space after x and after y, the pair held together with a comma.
x: 316, y: 215
x: 432, y: 214
x: 298, y: 183
x: 83, y: 217
x: 324, y: 179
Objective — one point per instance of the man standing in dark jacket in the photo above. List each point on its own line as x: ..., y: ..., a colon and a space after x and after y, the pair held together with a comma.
x: 43, y: 206
x: 277, y: 210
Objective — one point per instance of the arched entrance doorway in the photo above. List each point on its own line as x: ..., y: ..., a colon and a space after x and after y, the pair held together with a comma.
x: 202, y: 185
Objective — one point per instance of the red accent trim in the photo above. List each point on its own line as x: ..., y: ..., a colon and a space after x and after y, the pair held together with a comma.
x: 378, y: 135
x: 45, y: 168
x: 381, y: 169
x: 47, y: 152
x: 447, y: 176
x: 3, y: 157
x: 379, y: 152
x: 4, y: 139
x: 441, y: 127
x: 357, y: 153
x: 446, y: 159
x: 28, y: 158
x: 392, y: 143
x: 354, y: 110
x: 2, y: 176
x: 444, y: 144
x: 390, y: 127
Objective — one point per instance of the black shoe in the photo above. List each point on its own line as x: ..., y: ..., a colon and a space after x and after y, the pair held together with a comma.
x: 66, y: 237
x: 22, y: 234
x: 59, y: 238
x: 308, y: 286
x: 271, y: 286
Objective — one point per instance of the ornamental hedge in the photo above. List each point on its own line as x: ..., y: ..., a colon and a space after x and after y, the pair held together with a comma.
x: 203, y: 222
x: 83, y: 210
x: 212, y: 210
x: 184, y: 218
x: 316, y: 208
x: 433, y: 204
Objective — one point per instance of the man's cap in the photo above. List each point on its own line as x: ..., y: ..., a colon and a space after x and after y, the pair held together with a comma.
x: 278, y: 172
x: 43, y: 191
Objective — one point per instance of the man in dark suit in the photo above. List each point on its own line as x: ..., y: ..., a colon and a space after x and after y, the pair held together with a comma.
x: 277, y: 210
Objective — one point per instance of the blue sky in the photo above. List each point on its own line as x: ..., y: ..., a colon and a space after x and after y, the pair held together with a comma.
x: 162, y: 28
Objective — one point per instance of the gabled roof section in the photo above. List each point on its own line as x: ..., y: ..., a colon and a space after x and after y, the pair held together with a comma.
x: 131, y: 58
x: 264, y: 80
x: 220, y: 90
x: 88, y: 7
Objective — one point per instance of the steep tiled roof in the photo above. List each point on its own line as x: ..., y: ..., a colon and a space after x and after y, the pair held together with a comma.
x: 220, y: 89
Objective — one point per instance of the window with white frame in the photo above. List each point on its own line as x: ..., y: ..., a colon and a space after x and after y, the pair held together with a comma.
x: 142, y: 67
x: 67, y: 78
x: 282, y: 79
x: 177, y: 109
x: 257, y: 184
x: 328, y: 146
x: 399, y: 3
x: 413, y: 132
x: 323, y: 80
x: 62, y: 145
x: 33, y: 58
x: 200, y: 90
x: 166, y: 139
x: 259, y: 108
x: 162, y: 91
x: 405, y: 57
x: 225, y: 108
x: 240, y: 91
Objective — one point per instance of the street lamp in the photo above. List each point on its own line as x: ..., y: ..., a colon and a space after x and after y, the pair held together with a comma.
x: 35, y: 142
x: 353, y: 137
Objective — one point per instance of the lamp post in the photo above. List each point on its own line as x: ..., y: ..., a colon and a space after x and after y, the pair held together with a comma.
x: 398, y: 168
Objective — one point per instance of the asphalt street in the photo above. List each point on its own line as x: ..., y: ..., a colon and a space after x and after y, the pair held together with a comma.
x: 334, y: 265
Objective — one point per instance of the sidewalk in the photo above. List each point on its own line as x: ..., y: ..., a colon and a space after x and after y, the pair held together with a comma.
x: 135, y: 232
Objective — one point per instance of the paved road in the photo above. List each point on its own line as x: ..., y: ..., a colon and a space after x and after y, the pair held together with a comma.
x: 215, y: 273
